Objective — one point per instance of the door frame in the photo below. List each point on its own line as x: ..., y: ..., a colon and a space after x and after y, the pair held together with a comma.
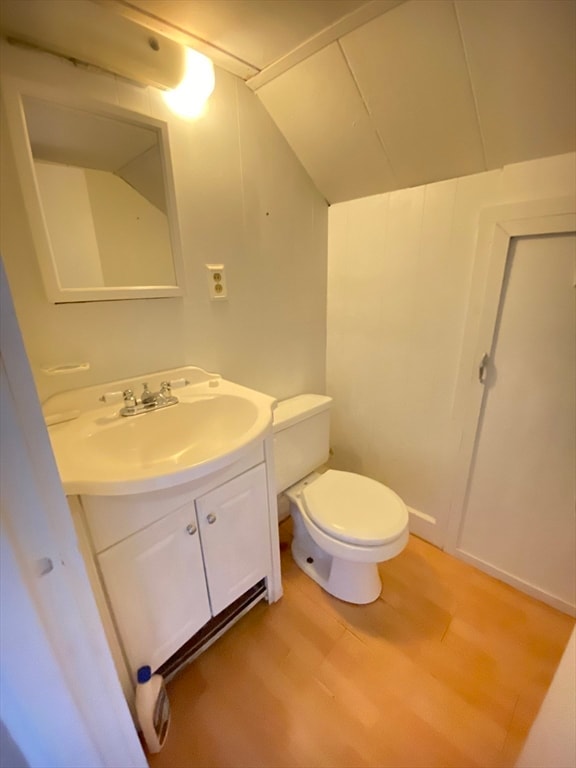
x: 497, y: 226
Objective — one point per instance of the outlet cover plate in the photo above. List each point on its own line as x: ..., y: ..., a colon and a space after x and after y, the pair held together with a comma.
x: 217, y: 287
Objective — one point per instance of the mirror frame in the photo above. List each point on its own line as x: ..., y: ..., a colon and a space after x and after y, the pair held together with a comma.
x: 13, y: 91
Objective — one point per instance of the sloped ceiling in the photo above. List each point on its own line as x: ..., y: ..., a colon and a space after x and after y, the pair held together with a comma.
x: 385, y: 94
x: 430, y: 91
x: 375, y: 96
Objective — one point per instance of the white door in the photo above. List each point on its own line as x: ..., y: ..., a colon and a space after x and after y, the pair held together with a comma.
x: 61, y: 701
x: 157, y: 588
x: 519, y: 518
x: 234, y: 527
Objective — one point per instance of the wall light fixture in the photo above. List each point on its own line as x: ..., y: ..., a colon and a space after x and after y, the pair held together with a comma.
x: 88, y: 32
x: 189, y: 98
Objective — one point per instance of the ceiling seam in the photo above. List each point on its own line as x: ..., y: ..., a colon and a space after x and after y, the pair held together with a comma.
x: 472, y: 89
x: 319, y: 41
x: 368, y: 112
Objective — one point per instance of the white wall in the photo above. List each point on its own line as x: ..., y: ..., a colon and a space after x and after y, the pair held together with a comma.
x: 399, y: 277
x: 243, y: 200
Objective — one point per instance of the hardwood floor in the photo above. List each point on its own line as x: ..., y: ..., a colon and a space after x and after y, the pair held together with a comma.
x: 448, y: 668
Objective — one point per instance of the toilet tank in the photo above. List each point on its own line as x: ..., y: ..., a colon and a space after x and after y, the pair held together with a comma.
x: 301, y: 437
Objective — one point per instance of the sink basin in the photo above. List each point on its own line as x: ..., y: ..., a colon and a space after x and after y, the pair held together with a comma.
x: 180, y: 435
x: 102, y: 453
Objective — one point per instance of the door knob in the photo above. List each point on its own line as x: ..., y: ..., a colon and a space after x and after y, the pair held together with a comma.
x: 191, y: 529
x: 211, y: 518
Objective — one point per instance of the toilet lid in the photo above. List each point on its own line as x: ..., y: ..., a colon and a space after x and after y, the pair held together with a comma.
x: 355, y: 509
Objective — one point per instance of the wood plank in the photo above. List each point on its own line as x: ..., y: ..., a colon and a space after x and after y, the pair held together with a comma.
x: 447, y: 668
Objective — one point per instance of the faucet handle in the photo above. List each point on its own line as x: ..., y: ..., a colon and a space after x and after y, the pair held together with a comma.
x: 165, y: 388
x: 129, y: 398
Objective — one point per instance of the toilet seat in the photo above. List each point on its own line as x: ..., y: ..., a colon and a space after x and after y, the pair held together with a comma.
x: 355, y: 509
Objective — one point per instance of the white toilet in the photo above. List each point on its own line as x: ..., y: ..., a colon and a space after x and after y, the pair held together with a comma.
x: 344, y: 523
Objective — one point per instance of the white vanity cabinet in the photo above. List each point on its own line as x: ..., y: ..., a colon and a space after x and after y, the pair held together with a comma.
x: 233, y: 521
x: 169, y: 560
x: 156, y: 586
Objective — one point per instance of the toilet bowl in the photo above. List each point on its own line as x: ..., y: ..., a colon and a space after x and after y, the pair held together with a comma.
x: 344, y: 523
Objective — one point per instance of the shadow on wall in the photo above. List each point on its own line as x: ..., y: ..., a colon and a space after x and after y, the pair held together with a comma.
x: 345, y: 458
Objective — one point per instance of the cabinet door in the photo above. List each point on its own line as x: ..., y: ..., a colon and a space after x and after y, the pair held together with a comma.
x: 156, y: 585
x: 234, y: 528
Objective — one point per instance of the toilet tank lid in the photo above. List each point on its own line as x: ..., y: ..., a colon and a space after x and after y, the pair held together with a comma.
x: 298, y: 408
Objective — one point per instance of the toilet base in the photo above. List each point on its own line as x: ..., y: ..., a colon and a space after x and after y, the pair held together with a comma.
x: 350, y: 581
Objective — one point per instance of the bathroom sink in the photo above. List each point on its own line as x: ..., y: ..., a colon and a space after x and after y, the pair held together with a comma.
x: 183, y: 434
x: 100, y: 452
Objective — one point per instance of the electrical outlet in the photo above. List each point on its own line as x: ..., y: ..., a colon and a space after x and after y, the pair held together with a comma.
x: 217, y: 282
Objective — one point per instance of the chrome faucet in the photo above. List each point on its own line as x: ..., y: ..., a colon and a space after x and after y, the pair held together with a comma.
x: 147, y: 397
x: 149, y: 401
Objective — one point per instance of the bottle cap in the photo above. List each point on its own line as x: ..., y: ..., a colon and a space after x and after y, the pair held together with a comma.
x: 144, y: 674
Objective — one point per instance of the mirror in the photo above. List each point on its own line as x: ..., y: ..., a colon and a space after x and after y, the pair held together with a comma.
x: 98, y: 188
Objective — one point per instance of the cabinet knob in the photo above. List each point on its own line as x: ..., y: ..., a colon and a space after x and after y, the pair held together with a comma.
x: 191, y: 529
x: 211, y: 518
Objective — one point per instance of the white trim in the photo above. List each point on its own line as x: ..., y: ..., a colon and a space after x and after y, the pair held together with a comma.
x: 13, y: 89
x: 498, y: 225
x: 423, y: 525
x: 325, y: 37
x: 514, y: 581
x: 422, y: 516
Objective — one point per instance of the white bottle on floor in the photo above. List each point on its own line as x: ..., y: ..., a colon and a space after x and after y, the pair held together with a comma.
x: 152, y: 708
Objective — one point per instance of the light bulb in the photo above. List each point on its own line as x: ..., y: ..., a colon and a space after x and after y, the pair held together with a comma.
x: 190, y: 96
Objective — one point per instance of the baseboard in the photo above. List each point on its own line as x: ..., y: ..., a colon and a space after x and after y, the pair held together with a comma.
x: 519, y: 584
x: 424, y: 526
